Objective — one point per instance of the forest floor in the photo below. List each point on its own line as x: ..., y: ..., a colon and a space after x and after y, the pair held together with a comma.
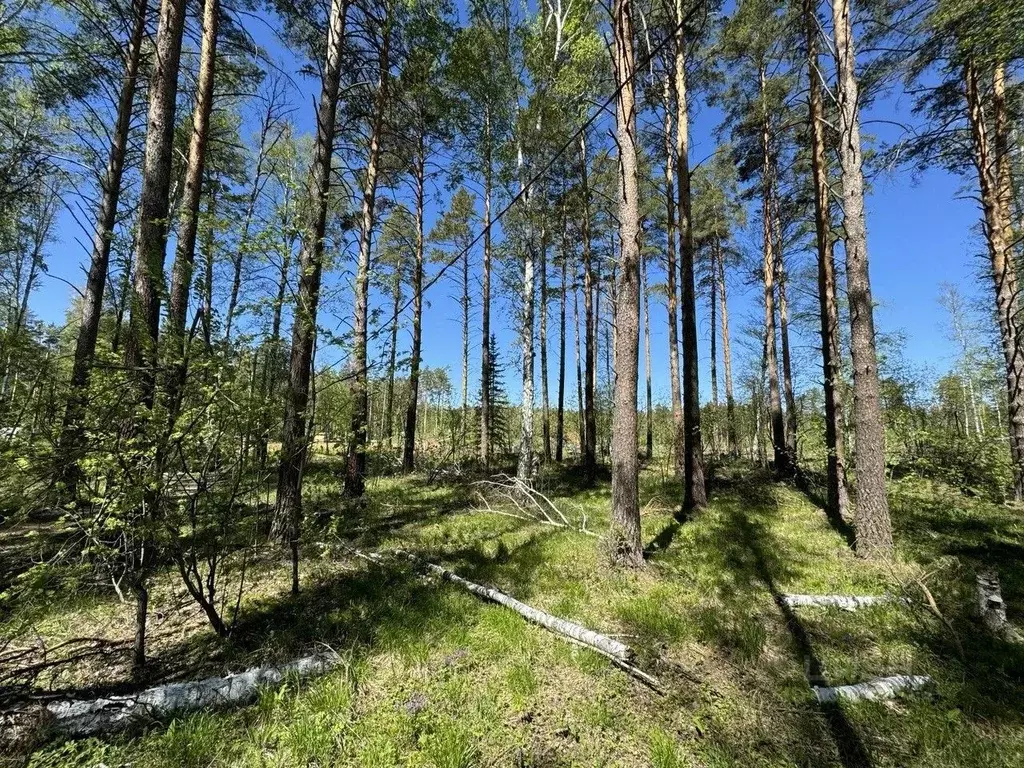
x: 433, y: 676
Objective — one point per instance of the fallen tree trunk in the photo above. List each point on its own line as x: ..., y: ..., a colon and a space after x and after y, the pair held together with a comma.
x: 588, y: 637
x: 83, y: 718
x: 992, y: 607
x: 872, y: 690
x: 846, y: 602
x: 620, y: 654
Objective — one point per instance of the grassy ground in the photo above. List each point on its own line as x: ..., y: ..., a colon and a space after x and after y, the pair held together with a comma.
x: 435, y: 677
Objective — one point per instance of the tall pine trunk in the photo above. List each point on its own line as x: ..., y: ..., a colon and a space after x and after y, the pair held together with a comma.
x: 545, y: 403
x: 873, y: 524
x: 994, y: 184
x: 837, y: 497
x: 589, y: 449
x: 1004, y: 181
x: 140, y: 351
x: 678, y: 434
x: 579, y: 371
x: 355, y: 467
x: 184, y: 257
x: 713, y: 301
x: 625, y: 546
x: 648, y: 410
x: 210, y: 250
x: 694, y: 492
x: 72, y: 430
x: 465, y: 346
x: 783, y: 466
x: 787, y: 360
x: 730, y: 400
x: 486, y: 406
x: 713, y: 306
x: 288, y: 514
x: 154, y: 202
x: 389, y: 392
x: 560, y: 423
x: 524, y: 470
x: 409, y: 445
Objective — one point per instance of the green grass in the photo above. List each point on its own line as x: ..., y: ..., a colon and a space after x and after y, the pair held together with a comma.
x: 435, y: 677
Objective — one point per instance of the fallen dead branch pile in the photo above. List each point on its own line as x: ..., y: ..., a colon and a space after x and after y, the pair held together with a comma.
x: 529, y: 503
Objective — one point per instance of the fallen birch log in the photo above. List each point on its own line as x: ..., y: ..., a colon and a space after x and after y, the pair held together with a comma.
x: 872, y: 690
x: 608, y: 646
x: 83, y: 718
x: 992, y: 607
x: 619, y: 654
x: 845, y: 602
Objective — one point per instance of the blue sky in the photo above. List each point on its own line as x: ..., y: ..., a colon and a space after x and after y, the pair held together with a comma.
x: 919, y: 229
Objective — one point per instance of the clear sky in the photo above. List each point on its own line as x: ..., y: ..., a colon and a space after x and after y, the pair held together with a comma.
x: 919, y: 230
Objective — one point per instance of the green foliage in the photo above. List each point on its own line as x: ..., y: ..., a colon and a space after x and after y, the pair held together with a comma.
x: 663, y: 750
x: 192, y: 742
x: 977, y: 467
x: 448, y: 745
x: 500, y: 416
x: 439, y: 678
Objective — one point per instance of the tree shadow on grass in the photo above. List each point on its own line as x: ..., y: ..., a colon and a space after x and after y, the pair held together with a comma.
x: 850, y: 747
x: 571, y: 479
x: 748, y: 559
x: 987, y: 680
x: 813, y: 485
x: 933, y: 521
x: 378, y: 605
x: 367, y: 524
x: 663, y: 540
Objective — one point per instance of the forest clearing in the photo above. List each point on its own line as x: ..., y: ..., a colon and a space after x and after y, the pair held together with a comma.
x: 455, y: 383
x: 431, y: 675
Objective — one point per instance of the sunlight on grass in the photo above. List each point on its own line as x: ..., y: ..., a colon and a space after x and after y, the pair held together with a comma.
x: 437, y: 678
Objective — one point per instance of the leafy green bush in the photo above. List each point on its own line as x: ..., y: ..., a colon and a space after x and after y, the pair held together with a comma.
x: 976, y: 467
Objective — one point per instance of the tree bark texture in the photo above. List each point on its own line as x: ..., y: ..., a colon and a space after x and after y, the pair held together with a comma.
x: 560, y: 423
x: 783, y: 466
x: 678, y: 434
x: 524, y: 470
x: 625, y: 546
x: 694, y: 492
x: 184, y: 257
x: 355, y: 469
x: 409, y: 444
x: 589, y: 449
x: 730, y: 400
x: 873, y: 525
x: 72, y: 429
x: 994, y: 180
x: 545, y: 403
x: 837, y: 497
x: 288, y: 513
x: 649, y: 409
x: 485, y: 308
x: 154, y: 202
